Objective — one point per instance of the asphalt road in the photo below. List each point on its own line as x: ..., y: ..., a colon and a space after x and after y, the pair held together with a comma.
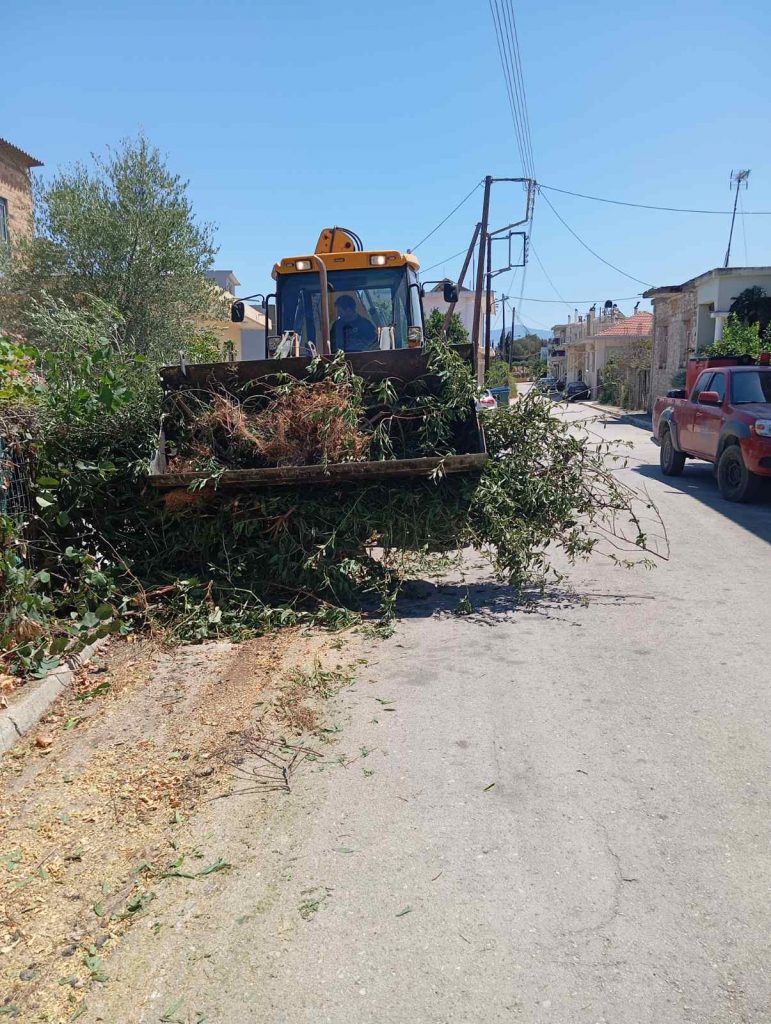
x: 563, y: 818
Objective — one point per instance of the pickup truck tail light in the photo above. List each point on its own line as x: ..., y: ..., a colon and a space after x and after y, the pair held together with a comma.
x: 762, y: 428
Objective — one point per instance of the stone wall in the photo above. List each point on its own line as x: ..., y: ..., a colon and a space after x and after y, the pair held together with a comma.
x: 674, y: 338
x: 16, y: 189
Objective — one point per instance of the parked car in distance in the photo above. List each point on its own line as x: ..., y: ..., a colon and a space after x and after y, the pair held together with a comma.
x: 486, y: 402
x: 576, y: 391
x: 725, y: 420
x: 546, y: 385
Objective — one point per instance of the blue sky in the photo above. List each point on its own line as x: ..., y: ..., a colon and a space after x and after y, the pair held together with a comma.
x: 286, y: 117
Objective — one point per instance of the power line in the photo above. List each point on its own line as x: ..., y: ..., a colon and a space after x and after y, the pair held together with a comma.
x: 648, y: 206
x: 589, y: 248
x: 441, y: 222
x: 508, y: 51
x: 577, y: 302
x: 519, y: 82
x: 507, y: 78
x: 447, y: 259
x: 545, y: 274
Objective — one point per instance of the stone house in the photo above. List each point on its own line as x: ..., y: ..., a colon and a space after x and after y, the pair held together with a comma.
x: 689, y: 317
x: 15, y: 192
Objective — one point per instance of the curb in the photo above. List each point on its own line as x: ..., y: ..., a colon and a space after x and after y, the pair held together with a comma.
x: 641, y: 420
x: 23, y: 713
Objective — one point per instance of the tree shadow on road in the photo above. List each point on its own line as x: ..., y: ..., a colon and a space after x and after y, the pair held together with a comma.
x: 489, y: 602
x: 698, y: 482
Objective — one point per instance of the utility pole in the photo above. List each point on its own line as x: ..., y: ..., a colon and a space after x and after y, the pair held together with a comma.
x: 480, y: 271
x: 486, y: 238
x: 511, y: 344
x: 464, y: 269
x: 488, y: 300
x: 504, y: 300
x: 738, y: 178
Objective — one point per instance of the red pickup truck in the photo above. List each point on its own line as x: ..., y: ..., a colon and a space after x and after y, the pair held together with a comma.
x: 726, y: 420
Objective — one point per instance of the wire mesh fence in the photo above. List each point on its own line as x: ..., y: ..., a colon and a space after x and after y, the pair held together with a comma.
x: 15, y: 481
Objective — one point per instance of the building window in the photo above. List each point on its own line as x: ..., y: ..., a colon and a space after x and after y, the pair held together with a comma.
x: 3, y: 220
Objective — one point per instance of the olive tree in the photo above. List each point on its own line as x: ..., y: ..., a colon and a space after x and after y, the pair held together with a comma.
x: 120, y: 232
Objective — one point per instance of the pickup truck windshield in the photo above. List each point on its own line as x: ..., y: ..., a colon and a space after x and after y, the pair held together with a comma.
x: 751, y: 387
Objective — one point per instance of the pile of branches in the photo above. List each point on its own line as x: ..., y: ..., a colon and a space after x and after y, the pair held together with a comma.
x: 103, y: 551
x: 309, y: 423
x: 330, y: 415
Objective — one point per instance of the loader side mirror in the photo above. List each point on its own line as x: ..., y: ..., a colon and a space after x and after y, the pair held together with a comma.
x: 450, y: 292
x: 237, y: 312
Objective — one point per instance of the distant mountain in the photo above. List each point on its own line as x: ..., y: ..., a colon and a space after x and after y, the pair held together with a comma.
x: 522, y: 331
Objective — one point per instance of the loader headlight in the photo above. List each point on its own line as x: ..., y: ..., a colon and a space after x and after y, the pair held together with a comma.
x: 377, y: 261
x: 303, y: 264
x: 763, y: 428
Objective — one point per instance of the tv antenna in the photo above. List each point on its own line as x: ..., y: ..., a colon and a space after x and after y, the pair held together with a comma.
x: 738, y: 179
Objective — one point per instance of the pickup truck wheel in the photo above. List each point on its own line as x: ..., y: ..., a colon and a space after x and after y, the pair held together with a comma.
x: 735, y: 481
x: 672, y: 461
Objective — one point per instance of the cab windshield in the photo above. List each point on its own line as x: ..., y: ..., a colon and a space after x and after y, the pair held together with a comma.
x: 362, y: 304
x: 751, y: 386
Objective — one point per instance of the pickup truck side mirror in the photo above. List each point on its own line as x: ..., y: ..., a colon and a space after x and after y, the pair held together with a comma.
x: 709, y: 398
x: 237, y: 312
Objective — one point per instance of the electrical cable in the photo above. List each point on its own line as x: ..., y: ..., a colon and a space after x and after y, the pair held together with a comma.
x: 577, y: 302
x: 507, y: 78
x: 519, y: 82
x: 455, y: 255
x: 441, y: 222
x: 589, y: 248
x: 508, y: 51
x: 545, y: 274
x: 648, y: 206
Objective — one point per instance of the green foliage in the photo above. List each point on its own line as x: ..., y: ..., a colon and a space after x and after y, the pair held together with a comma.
x: 498, y: 376
x: 522, y: 349
x: 753, y: 306
x: 456, y: 332
x: 120, y: 233
x: 19, y: 379
x: 738, y: 339
x: 105, y: 552
x: 537, y: 368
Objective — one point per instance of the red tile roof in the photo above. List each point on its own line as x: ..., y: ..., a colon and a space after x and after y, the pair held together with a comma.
x: 638, y: 326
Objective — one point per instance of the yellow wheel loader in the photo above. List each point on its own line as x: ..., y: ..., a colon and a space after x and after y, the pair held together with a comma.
x: 366, y: 304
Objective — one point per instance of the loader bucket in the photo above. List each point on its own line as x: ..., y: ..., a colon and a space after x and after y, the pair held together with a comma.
x: 403, y: 366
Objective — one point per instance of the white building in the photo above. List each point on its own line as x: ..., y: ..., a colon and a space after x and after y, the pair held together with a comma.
x: 689, y: 317
x: 240, y: 341
x: 434, y: 299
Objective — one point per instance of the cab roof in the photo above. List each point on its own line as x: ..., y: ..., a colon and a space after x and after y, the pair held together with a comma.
x: 356, y: 260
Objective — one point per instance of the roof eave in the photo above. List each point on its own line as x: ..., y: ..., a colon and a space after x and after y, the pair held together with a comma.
x: 25, y: 158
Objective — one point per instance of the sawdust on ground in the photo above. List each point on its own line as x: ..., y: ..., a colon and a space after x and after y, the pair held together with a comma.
x: 93, y: 803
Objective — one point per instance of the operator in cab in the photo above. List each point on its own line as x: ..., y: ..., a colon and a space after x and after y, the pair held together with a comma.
x: 351, y: 332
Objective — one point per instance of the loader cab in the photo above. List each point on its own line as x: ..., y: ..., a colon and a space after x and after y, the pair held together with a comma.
x: 373, y: 301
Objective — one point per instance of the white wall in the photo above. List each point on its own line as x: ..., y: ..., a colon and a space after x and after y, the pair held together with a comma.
x: 464, y: 308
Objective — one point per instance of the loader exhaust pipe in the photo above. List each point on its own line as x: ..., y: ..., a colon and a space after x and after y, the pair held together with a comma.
x: 325, y: 348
